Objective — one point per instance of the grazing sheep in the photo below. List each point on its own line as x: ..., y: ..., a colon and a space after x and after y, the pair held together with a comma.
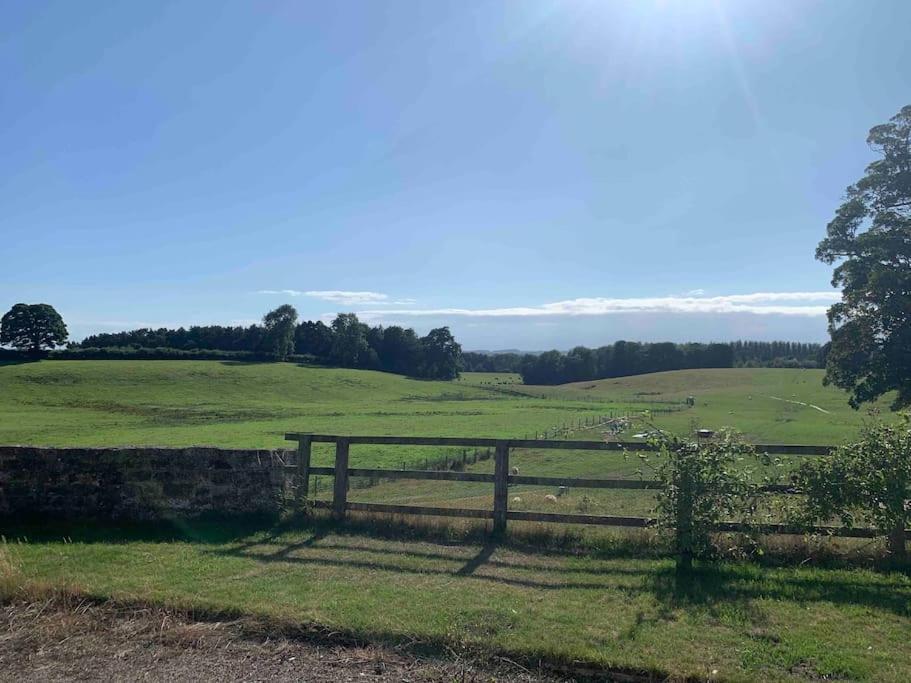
x: 550, y: 498
x: 515, y: 471
x: 517, y: 500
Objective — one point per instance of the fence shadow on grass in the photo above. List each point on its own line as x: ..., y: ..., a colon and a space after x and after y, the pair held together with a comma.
x: 715, y: 588
x: 539, y: 559
x: 254, y: 529
x: 719, y: 589
x: 462, y: 569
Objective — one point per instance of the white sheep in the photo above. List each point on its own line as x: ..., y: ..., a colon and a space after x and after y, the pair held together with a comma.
x: 550, y: 498
x: 515, y: 471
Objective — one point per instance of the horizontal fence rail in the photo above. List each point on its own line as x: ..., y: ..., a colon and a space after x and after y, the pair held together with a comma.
x: 469, y: 442
x: 502, y: 479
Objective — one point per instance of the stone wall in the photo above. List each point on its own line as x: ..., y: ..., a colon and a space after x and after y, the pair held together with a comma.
x: 140, y: 483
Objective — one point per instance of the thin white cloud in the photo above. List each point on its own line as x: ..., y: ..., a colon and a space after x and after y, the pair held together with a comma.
x: 758, y: 303
x: 344, y: 297
x: 391, y: 302
x: 286, y: 292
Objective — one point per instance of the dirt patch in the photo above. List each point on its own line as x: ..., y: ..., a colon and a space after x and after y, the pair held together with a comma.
x: 60, y: 640
x: 801, y: 403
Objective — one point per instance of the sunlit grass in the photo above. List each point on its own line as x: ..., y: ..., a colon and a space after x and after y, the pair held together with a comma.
x: 605, y: 607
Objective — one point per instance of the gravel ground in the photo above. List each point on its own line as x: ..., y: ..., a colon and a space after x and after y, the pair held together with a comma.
x: 61, y: 640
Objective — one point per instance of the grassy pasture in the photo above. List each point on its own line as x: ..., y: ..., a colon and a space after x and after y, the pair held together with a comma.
x: 609, y: 607
x: 179, y: 403
x: 229, y: 404
x: 767, y: 405
x: 490, y: 378
x: 617, y: 606
x: 233, y: 404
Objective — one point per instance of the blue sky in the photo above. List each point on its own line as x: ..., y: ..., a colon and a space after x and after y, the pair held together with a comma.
x: 535, y: 174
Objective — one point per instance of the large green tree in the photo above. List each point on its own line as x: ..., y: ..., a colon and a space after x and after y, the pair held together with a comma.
x: 870, y: 240
x: 401, y: 351
x: 314, y: 338
x: 280, y: 325
x: 442, y: 354
x: 32, y: 327
x: 349, y: 341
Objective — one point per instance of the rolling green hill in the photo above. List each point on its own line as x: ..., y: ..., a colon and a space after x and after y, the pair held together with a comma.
x: 229, y: 404
x: 767, y: 405
x: 251, y: 405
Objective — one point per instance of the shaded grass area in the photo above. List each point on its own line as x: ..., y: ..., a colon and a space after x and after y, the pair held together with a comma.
x: 613, y: 603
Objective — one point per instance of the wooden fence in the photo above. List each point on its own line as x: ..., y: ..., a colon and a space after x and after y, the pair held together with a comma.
x: 502, y: 478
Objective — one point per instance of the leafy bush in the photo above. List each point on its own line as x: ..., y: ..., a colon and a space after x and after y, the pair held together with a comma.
x: 871, y: 477
x: 702, y: 484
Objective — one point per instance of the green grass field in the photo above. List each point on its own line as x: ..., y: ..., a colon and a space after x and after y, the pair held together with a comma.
x: 607, y: 608
x: 229, y: 404
x: 171, y: 403
x: 767, y: 405
x: 613, y: 605
x: 181, y: 403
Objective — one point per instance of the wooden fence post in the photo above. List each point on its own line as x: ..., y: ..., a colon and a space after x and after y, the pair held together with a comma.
x: 302, y: 479
x: 340, y: 491
x: 500, y: 487
x: 898, y: 544
x: 684, y: 522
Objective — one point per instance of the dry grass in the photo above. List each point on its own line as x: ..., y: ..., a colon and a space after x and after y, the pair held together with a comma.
x: 11, y: 578
x: 54, y: 635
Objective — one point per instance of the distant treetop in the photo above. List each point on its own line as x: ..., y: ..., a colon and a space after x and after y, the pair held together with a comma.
x: 32, y: 328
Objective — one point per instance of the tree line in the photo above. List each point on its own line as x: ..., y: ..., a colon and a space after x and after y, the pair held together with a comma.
x: 622, y: 359
x: 345, y: 342
x: 778, y: 354
x: 635, y: 358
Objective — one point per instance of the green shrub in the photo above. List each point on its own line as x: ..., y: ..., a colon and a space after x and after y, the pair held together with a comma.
x: 870, y: 478
x: 702, y: 484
